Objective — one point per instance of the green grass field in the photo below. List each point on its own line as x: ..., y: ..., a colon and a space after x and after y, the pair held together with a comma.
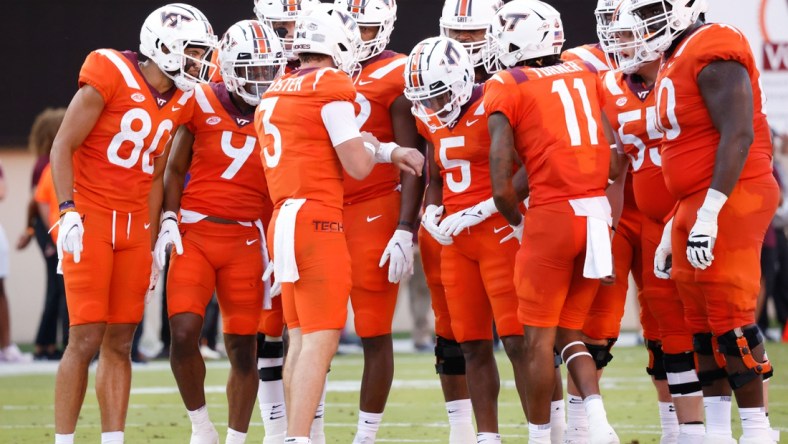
x: 415, y: 412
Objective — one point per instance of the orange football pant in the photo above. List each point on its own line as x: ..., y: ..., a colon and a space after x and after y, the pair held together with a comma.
x: 430, y: 251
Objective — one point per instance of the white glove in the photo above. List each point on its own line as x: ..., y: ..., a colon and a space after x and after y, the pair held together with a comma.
x: 69, y: 235
x: 432, y: 214
x: 453, y: 224
x: 700, y: 244
x: 276, y: 287
x: 663, y: 258
x: 399, y: 254
x: 168, y: 234
x: 154, y: 279
x: 517, y: 233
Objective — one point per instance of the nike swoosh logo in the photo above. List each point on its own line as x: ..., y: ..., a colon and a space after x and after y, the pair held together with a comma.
x: 274, y: 418
x: 176, y: 108
x: 250, y: 242
x: 572, y: 401
x: 498, y: 230
x: 146, y: 225
x: 370, y: 219
x: 471, y: 122
x: 362, y: 83
x: 369, y: 422
x: 452, y: 411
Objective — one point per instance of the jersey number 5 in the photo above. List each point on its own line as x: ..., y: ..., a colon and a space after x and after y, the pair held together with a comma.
x: 455, y: 185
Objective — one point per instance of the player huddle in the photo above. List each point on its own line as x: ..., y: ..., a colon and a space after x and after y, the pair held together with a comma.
x: 285, y: 166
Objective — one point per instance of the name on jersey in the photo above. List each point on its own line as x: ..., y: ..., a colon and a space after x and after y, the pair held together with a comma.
x: 563, y: 68
x: 288, y: 84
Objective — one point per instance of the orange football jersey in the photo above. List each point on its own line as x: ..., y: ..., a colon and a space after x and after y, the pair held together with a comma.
x: 298, y: 156
x: 591, y: 53
x: 381, y: 81
x: 630, y: 107
x: 555, y: 113
x: 114, y: 165
x: 462, y: 152
x: 227, y: 178
x: 689, y: 144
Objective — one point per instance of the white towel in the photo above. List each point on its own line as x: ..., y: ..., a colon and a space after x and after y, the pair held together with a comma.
x: 599, y: 251
x: 264, y: 251
x: 285, y: 267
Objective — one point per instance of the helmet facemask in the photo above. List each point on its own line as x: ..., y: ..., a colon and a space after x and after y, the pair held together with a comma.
x: 625, y: 53
x: 251, y: 58
x: 475, y: 48
x: 192, y: 60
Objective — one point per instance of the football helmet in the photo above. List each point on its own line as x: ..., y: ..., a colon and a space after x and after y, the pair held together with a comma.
x: 278, y: 14
x: 460, y: 15
x: 250, y: 58
x: 438, y: 81
x: 380, y: 13
x: 625, y: 53
x: 604, y: 15
x: 659, y: 22
x: 327, y: 30
x: 168, y: 32
x: 523, y: 30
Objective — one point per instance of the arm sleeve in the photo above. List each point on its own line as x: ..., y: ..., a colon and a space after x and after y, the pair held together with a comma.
x: 339, y: 118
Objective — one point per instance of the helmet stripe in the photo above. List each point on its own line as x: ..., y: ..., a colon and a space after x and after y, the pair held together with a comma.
x: 415, y: 67
x: 463, y: 8
x: 260, y: 40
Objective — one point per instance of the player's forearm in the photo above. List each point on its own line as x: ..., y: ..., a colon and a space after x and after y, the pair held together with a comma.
x: 506, y: 201
x: 732, y: 153
x: 62, y: 171
x: 520, y: 183
x: 173, y: 190
x: 410, y: 203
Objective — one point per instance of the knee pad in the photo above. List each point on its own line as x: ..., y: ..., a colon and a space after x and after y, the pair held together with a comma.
x: 703, y: 345
x: 738, y: 343
x: 449, y: 359
x: 270, y: 350
x: 557, y: 361
x: 601, y: 353
x: 681, y: 375
x: 656, y: 363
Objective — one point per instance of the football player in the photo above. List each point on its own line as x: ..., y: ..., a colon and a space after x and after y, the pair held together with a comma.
x: 556, y: 277
x: 379, y: 219
x: 467, y: 22
x: 303, y: 159
x: 107, y: 164
x: 223, y: 244
x: 716, y: 160
x: 595, y: 53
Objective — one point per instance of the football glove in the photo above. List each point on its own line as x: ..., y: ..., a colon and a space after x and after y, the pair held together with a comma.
x: 663, y: 257
x: 399, y: 255
x: 276, y: 287
x: 517, y: 233
x: 154, y: 279
x: 703, y: 235
x: 432, y: 214
x: 168, y: 234
x: 69, y: 235
x: 455, y: 223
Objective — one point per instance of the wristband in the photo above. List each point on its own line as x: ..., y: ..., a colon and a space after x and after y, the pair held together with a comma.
x: 169, y: 215
x: 383, y: 154
x: 66, y: 205
x: 712, y: 205
x: 406, y: 224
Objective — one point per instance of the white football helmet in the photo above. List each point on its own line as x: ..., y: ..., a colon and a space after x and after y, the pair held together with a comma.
x: 524, y: 30
x: 659, y: 22
x: 168, y: 32
x: 625, y: 53
x: 438, y: 81
x: 604, y: 15
x: 279, y: 14
x: 380, y: 13
x: 461, y: 15
x: 327, y: 30
x: 250, y: 58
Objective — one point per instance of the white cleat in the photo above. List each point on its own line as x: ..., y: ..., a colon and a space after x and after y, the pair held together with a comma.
x: 603, y: 434
x: 671, y: 438
x: 576, y: 435
x: 205, y: 436
x: 718, y: 439
x: 274, y: 439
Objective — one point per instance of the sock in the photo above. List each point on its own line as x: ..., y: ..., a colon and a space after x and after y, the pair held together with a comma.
x: 718, y: 415
x: 112, y: 438
x: 557, y: 421
x: 271, y: 397
x: 539, y: 433
x: 595, y: 410
x: 488, y: 438
x: 298, y: 440
x: 577, y: 420
x: 200, y: 419
x: 460, y: 422
x: 235, y: 437
x: 64, y: 439
x: 691, y: 433
x: 316, y: 432
x: 755, y: 424
x: 668, y: 419
x: 368, y: 424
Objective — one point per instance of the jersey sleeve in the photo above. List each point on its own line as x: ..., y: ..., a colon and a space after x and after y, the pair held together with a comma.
x: 721, y: 43
x: 335, y: 86
x: 98, y: 72
x: 499, y: 97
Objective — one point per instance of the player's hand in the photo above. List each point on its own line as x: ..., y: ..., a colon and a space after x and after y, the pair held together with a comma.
x: 69, y: 235
x: 455, y: 223
x: 429, y: 220
x: 276, y: 287
x: 517, y: 233
x: 24, y: 240
x: 409, y: 160
x: 168, y: 235
x: 663, y: 258
x: 700, y: 244
x: 154, y: 279
x: 399, y: 255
